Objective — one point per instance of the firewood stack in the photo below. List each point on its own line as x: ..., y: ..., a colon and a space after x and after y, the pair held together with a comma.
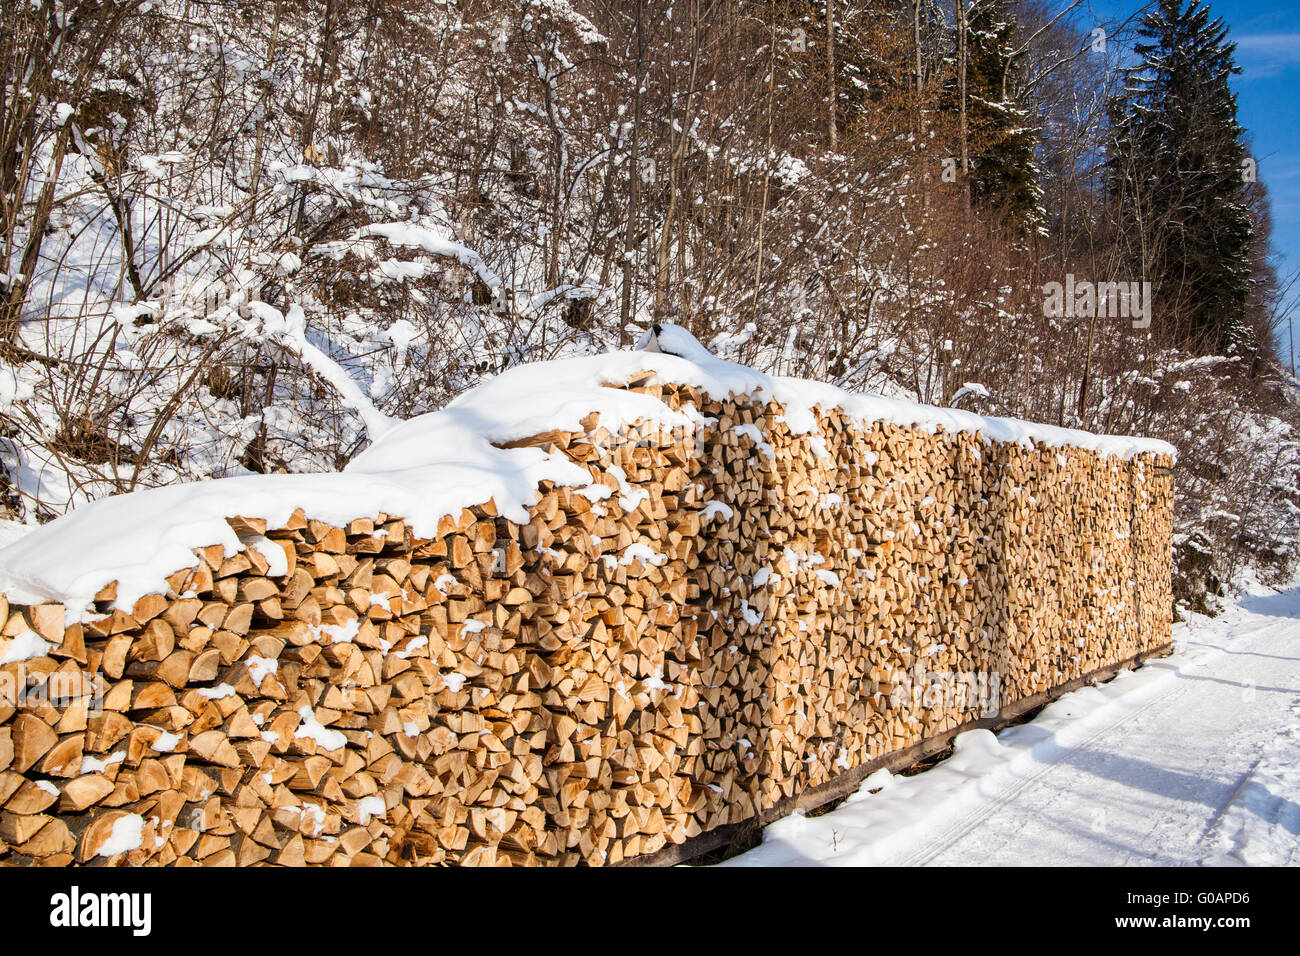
x: 726, y: 617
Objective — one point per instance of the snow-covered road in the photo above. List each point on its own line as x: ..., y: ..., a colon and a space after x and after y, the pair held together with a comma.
x: 1191, y: 759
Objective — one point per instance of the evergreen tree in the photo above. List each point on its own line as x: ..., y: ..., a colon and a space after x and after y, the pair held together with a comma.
x: 1000, y: 138
x: 1001, y: 133
x: 864, y: 64
x: 1175, y: 171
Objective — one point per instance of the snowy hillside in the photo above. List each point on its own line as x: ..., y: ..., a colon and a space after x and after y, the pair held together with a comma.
x: 246, y: 239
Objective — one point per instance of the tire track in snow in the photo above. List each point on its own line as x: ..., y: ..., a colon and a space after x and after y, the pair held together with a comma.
x: 1191, y: 758
x: 1166, y: 828
x: 927, y: 853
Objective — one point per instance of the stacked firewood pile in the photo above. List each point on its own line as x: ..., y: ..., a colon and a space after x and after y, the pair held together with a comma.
x: 726, y: 617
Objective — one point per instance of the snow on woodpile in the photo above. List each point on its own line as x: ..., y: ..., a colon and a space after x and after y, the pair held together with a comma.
x: 439, y: 463
x: 590, y: 609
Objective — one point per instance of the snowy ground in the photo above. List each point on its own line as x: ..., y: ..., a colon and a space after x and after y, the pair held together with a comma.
x: 1193, y: 759
x: 11, y: 531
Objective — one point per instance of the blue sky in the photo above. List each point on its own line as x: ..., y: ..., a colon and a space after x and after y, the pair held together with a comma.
x: 1267, y: 34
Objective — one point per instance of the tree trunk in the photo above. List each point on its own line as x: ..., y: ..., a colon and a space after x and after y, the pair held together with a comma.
x: 634, y: 179
x: 960, y: 6
x: 830, y: 72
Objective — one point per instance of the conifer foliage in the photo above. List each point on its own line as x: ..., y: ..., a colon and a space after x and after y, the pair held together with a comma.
x: 1176, y: 173
x: 1004, y: 175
